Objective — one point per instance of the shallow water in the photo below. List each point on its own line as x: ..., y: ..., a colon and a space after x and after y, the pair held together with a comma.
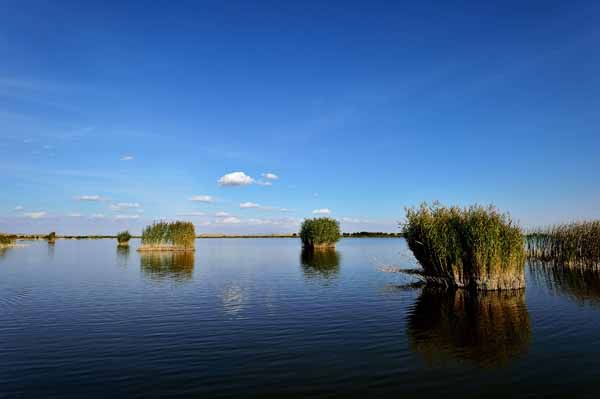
x: 259, y: 318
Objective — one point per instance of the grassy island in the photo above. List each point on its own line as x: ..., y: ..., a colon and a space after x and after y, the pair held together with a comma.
x: 572, y: 245
x: 7, y: 240
x: 123, y: 238
x: 320, y: 233
x: 169, y: 236
x: 475, y: 247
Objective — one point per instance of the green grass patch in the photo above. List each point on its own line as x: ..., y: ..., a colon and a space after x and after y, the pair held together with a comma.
x: 319, y: 232
x: 473, y: 247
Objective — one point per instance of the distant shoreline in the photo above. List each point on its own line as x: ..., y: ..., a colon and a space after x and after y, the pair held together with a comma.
x: 294, y: 235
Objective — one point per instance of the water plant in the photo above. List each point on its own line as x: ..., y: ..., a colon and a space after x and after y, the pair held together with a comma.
x: 123, y: 238
x: 319, y: 233
x: 573, y: 244
x: 7, y: 240
x: 473, y: 247
x: 51, y: 237
x: 487, y: 329
x: 169, y: 236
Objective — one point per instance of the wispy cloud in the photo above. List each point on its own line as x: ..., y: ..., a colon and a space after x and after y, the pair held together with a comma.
x: 18, y: 208
x: 322, y: 211
x: 119, y: 206
x: 74, y: 215
x: 97, y: 216
x: 202, y: 198
x: 235, y: 179
x: 91, y: 198
x: 249, y: 205
x: 35, y: 215
x: 127, y: 217
x: 270, y: 176
x: 191, y: 214
x: 127, y: 158
x: 229, y: 220
x: 222, y: 214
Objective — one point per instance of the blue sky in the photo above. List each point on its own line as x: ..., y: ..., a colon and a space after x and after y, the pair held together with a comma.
x: 113, y: 115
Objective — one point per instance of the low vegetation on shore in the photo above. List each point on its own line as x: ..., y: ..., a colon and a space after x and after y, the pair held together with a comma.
x: 574, y: 244
x: 320, y: 233
x: 474, y: 247
x: 169, y: 236
x: 7, y: 240
x: 123, y: 238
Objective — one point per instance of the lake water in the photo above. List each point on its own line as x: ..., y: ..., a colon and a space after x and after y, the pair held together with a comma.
x: 259, y: 318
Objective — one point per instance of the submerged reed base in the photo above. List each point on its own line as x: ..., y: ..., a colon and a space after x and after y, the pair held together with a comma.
x: 476, y: 247
x: 164, y: 248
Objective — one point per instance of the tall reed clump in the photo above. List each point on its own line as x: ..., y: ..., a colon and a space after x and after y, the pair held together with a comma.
x: 319, y: 233
x: 7, y: 240
x: 474, y: 247
x: 574, y: 244
x: 169, y: 236
x: 51, y: 237
x: 123, y: 238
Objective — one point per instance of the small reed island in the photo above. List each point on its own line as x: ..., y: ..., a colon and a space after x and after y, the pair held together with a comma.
x: 123, y: 238
x: 475, y: 247
x: 169, y: 236
x: 7, y: 240
x: 320, y: 233
x: 51, y: 238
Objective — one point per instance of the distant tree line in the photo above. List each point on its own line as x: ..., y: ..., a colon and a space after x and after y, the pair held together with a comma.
x: 372, y: 234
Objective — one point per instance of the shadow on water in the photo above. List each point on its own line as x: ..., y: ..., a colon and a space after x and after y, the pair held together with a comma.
x: 577, y: 283
x: 487, y: 329
x: 163, y: 265
x: 322, y: 263
x: 122, y: 255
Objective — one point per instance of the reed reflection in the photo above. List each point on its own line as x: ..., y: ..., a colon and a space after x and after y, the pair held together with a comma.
x: 122, y: 255
x: 581, y: 284
x: 164, y: 265
x: 487, y: 329
x: 320, y: 263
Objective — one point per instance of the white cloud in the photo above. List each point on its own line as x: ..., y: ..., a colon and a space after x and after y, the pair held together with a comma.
x: 126, y: 217
x: 235, y: 179
x: 352, y: 220
x: 124, y: 205
x: 18, y: 208
x: 127, y: 158
x: 222, y: 214
x: 230, y: 220
x: 191, y: 214
x: 249, y: 205
x: 74, y: 215
x: 89, y: 198
x: 270, y: 176
x: 97, y: 216
x: 264, y: 183
x: 322, y: 211
x: 202, y: 198
x: 34, y: 215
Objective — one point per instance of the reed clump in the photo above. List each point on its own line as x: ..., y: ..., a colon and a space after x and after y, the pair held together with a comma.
x: 169, y: 236
x: 474, y: 247
x: 7, y: 240
x: 123, y: 238
x: 51, y: 237
x: 574, y: 244
x: 320, y: 233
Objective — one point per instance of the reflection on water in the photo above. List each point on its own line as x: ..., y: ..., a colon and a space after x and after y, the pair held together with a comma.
x: 321, y: 263
x: 122, y: 255
x: 51, y: 248
x: 580, y: 284
x: 164, y: 265
x: 486, y: 328
x: 3, y: 251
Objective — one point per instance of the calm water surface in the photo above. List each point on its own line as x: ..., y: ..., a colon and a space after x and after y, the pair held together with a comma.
x: 259, y: 318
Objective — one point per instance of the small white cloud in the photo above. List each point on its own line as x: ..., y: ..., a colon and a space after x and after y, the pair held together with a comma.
x: 124, y: 205
x: 202, y: 198
x: 126, y: 217
x: 89, y: 198
x: 97, y: 216
x: 127, y: 158
x: 191, y: 214
x: 322, y: 211
x: 74, y: 215
x: 230, y: 220
x: 264, y: 183
x: 270, y: 176
x: 351, y: 220
x: 18, y: 208
x: 34, y: 215
x: 222, y: 214
x: 249, y: 205
x: 235, y: 179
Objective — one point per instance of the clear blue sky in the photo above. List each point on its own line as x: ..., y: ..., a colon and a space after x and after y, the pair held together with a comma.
x: 116, y: 113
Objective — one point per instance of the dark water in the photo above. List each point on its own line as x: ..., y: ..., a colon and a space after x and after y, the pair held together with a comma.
x: 259, y: 318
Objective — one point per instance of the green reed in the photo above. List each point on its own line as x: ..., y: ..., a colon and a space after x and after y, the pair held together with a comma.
x: 319, y: 232
x: 123, y: 237
x: 7, y: 239
x: 173, y: 235
x: 573, y: 244
x: 475, y: 247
